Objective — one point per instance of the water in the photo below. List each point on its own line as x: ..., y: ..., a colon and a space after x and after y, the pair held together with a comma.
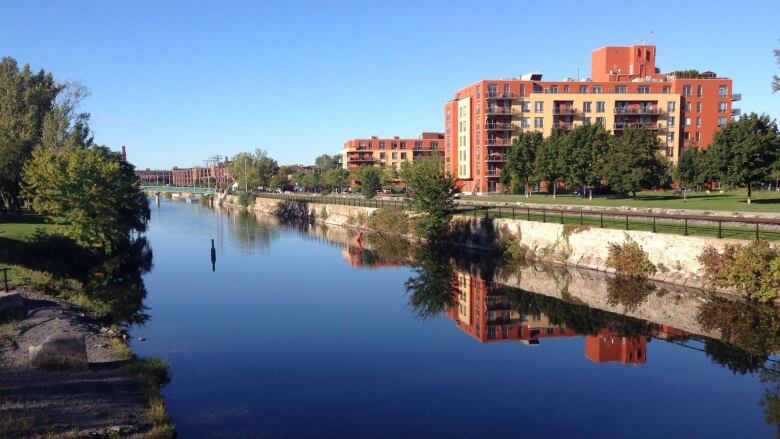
x: 295, y: 332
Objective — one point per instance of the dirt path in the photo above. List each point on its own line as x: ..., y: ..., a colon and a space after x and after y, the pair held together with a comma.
x: 99, y: 402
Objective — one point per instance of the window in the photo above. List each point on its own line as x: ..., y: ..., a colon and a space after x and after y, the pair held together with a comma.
x: 667, y: 89
x: 721, y: 121
x: 600, y: 121
x: 537, y: 88
x: 522, y: 89
x: 643, y: 89
x: 553, y: 89
x: 382, y: 156
x: 586, y: 120
x: 596, y: 89
x: 394, y: 145
x: 418, y: 145
x: 477, y: 167
x: 698, y: 121
x: 583, y: 89
x: 381, y: 144
x: 621, y: 89
x: 723, y: 91
x: 566, y: 88
x: 478, y: 92
x: 403, y: 156
x: 492, y: 90
x: 671, y: 106
x: 670, y: 136
x: 506, y: 89
x: 687, y: 121
x: 669, y: 151
x: 670, y: 122
x: 686, y: 135
x: 721, y: 107
x: 586, y: 107
x: 699, y: 90
x: 698, y: 136
x: 698, y: 107
x: 538, y: 122
x: 686, y: 91
x: 395, y: 155
x: 524, y: 122
x: 687, y: 106
x: 525, y: 106
x: 434, y: 145
x: 403, y: 145
x: 538, y: 106
x: 600, y: 106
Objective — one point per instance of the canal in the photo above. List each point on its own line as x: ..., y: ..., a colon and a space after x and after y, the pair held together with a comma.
x: 296, y: 331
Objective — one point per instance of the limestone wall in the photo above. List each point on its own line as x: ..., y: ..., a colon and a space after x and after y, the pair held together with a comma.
x: 675, y: 256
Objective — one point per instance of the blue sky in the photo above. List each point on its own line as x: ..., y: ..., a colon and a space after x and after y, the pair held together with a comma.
x: 179, y: 81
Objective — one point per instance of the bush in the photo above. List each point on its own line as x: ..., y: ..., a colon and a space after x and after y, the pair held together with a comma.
x: 753, y: 269
x: 517, y: 251
x: 628, y: 259
x: 246, y: 199
x: 389, y: 221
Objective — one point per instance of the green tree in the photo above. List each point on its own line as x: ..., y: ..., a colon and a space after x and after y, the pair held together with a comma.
x: 326, y: 162
x: 370, y: 180
x: 335, y: 178
x: 745, y: 152
x: 587, y: 146
x: 775, y: 78
x: 520, y: 159
x: 298, y: 179
x: 243, y: 169
x: 311, y: 181
x: 690, y: 169
x: 389, y: 175
x: 634, y: 161
x: 266, y: 167
x: 89, y: 190
x: 277, y: 181
x: 432, y: 196
x: 25, y: 100
x: 551, y: 161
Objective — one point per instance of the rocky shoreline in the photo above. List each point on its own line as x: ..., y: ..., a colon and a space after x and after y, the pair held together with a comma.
x: 93, y: 399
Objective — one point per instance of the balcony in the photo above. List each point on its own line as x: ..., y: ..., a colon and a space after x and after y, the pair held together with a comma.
x: 493, y: 172
x: 504, y: 95
x: 358, y: 158
x: 736, y: 97
x: 496, y: 157
x: 498, y: 142
x: 499, y: 110
x: 563, y: 125
x: 499, y: 126
x: 637, y: 110
x: 736, y: 112
x: 564, y: 110
x: 628, y: 125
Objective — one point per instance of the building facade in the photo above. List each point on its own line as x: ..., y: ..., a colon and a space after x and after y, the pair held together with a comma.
x: 390, y: 151
x: 625, y: 90
x: 154, y: 176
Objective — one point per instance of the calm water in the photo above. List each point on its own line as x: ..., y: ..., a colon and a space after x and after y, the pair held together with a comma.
x: 293, y: 334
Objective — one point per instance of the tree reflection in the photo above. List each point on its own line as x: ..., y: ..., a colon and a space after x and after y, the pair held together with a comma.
x: 430, y: 287
x: 628, y: 291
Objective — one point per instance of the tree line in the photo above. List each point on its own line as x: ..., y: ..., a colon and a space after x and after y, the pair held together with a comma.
x: 743, y: 153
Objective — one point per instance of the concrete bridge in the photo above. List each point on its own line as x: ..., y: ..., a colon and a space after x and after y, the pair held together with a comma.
x: 177, y: 190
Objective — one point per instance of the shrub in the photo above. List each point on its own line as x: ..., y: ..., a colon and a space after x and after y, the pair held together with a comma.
x: 389, y: 221
x: 516, y: 251
x: 246, y: 199
x: 628, y: 259
x: 753, y: 269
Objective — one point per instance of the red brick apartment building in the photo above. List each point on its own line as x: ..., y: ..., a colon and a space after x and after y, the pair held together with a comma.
x: 195, y: 176
x: 625, y: 89
x: 389, y: 151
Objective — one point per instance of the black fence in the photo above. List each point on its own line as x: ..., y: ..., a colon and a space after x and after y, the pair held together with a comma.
x: 686, y: 225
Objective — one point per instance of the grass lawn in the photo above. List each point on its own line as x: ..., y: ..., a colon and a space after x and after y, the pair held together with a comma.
x: 734, y: 201
x: 14, y: 232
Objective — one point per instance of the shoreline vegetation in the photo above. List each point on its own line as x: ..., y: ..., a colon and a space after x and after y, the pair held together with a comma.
x: 72, y: 229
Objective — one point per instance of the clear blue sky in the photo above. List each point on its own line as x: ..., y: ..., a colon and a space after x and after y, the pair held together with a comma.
x: 179, y: 81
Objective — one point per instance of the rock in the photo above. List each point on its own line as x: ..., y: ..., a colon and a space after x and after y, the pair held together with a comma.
x: 103, y: 330
x: 141, y: 339
x: 60, y: 351
x: 111, y: 333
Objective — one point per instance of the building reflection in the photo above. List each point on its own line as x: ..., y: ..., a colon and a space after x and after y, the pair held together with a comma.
x: 486, y: 312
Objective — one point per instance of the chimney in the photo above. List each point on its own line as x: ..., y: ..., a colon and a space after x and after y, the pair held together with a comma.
x: 124, y: 154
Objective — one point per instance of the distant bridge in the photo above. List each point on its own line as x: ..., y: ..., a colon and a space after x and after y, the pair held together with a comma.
x: 177, y: 189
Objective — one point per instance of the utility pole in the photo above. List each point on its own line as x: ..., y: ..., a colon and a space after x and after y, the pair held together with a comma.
x: 245, y: 176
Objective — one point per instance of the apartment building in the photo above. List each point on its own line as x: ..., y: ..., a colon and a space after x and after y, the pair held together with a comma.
x: 625, y: 90
x: 154, y: 176
x: 389, y: 151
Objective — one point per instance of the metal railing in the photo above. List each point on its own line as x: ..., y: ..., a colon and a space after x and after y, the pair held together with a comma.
x: 680, y: 224
x: 637, y: 110
x: 5, y: 278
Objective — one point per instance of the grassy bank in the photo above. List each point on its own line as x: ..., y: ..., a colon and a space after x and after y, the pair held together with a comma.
x: 734, y: 201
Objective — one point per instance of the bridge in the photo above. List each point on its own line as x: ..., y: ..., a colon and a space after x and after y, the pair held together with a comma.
x: 177, y: 189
